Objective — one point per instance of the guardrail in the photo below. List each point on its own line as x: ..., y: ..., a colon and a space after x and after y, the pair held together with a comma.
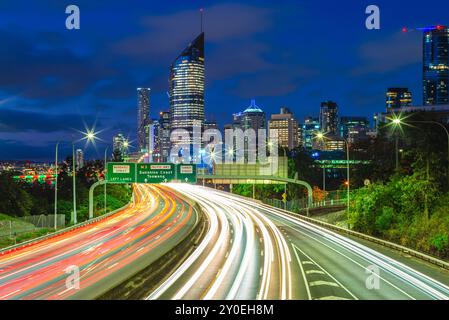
x: 60, y: 232
x: 391, y: 245
x: 301, y: 205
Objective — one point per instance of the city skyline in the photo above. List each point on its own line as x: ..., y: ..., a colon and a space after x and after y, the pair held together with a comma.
x: 24, y: 100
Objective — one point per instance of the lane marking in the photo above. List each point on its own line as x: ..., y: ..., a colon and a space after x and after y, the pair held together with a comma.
x: 314, y: 272
x: 331, y: 298
x: 332, y: 277
x: 309, y: 295
x: 323, y: 283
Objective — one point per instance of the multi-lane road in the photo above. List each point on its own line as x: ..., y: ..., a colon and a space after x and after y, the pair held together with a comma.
x: 248, y: 251
x: 104, y: 253
x: 254, y: 251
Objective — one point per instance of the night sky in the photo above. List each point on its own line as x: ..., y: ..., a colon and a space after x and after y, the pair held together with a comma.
x: 54, y: 81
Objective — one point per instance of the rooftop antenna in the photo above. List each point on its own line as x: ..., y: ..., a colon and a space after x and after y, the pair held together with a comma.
x: 201, y: 16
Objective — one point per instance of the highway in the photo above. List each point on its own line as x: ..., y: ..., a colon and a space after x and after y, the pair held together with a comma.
x: 254, y: 251
x: 106, y: 252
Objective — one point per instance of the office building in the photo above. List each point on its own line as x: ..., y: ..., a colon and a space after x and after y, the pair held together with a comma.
x: 334, y: 143
x: 354, y: 129
x: 310, y: 128
x: 397, y: 98
x: 287, y: 127
x: 436, y: 65
x: 186, y: 92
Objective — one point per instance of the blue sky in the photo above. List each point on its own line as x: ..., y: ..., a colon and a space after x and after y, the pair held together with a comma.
x: 282, y: 53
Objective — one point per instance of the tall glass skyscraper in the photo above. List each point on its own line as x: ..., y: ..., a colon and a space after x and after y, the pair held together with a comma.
x: 186, y: 92
x: 436, y: 65
x: 143, y: 116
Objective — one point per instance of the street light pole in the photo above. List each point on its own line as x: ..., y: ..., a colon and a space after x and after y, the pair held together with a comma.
x: 105, y: 194
x: 324, y: 179
x: 347, y: 173
x: 74, y: 218
x: 348, y: 186
x: 56, y: 186
x: 397, y: 152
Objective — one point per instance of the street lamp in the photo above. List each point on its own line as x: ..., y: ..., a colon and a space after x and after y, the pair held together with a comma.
x: 90, y: 136
x: 396, y: 121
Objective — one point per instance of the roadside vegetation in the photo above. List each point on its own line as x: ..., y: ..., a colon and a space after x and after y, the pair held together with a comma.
x: 20, y: 199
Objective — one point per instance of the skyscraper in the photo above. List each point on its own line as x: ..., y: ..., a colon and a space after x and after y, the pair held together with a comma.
x: 143, y: 116
x: 186, y: 92
x: 397, y: 98
x: 252, y: 118
x: 436, y: 65
x: 287, y: 127
x: 329, y: 118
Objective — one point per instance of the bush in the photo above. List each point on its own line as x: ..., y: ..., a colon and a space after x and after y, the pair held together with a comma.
x: 407, y: 210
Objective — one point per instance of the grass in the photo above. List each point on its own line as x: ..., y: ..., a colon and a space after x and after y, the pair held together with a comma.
x: 22, y: 231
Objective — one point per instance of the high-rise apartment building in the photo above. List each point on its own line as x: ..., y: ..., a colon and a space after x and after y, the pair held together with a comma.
x: 143, y: 116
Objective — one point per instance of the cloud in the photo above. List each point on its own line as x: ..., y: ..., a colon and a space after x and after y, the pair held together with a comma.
x: 44, y: 68
x: 397, y: 51
x: 279, y: 80
x: 169, y: 34
x: 14, y: 121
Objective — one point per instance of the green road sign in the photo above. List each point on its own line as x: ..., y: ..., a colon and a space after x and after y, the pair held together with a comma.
x: 121, y: 172
x: 186, y: 173
x: 155, y: 172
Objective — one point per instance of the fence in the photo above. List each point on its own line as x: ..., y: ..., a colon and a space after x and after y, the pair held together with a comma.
x: 10, y: 229
x: 43, y: 221
x: 328, y: 198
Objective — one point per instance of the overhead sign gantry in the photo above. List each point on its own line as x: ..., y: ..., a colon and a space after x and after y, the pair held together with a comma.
x: 126, y: 172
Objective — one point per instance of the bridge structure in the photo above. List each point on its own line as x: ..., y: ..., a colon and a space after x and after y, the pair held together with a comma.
x: 257, y: 179
x: 127, y: 173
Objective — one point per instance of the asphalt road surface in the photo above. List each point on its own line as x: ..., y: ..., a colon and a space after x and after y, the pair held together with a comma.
x: 105, y: 253
x: 254, y: 251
